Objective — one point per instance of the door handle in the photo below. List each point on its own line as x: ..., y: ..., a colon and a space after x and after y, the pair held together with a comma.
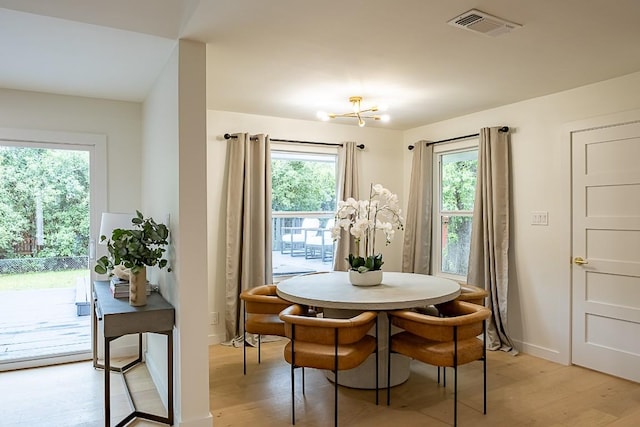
x: 580, y: 261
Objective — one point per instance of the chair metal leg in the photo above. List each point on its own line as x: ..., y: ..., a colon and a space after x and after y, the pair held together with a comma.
x: 389, y: 362
x: 377, y: 360
x: 335, y: 384
x: 293, y: 364
x: 484, y: 364
x: 444, y: 376
x: 335, y: 397
x: 455, y: 376
x: 244, y: 342
x: 244, y: 357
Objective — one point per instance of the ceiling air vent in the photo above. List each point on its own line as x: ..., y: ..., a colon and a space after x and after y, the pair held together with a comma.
x: 480, y: 22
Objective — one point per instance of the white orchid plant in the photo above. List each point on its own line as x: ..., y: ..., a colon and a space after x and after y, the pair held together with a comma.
x: 362, y: 219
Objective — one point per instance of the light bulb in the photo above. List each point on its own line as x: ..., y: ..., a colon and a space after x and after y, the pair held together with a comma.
x: 385, y: 118
x: 361, y: 123
x: 323, y: 116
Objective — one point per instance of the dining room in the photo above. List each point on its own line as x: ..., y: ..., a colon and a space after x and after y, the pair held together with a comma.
x: 178, y: 131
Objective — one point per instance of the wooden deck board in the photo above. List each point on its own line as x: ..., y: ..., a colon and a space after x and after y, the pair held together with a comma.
x: 38, y: 323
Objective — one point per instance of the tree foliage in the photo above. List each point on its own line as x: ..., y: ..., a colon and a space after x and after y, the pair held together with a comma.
x: 458, y: 187
x: 54, y: 182
x: 299, y: 185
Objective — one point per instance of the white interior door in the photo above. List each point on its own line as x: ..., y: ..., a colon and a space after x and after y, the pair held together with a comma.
x: 606, y: 249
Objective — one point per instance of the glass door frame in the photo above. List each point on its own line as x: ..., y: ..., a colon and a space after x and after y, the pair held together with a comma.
x: 96, y: 145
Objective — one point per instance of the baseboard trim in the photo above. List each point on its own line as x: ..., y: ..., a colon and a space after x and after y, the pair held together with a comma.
x: 216, y: 339
x: 542, y: 352
x: 207, y: 421
x: 157, y: 377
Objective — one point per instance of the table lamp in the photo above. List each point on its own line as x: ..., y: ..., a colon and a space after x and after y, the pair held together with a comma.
x: 110, y: 221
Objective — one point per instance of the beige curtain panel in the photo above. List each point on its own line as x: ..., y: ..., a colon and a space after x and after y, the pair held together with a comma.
x: 248, y: 239
x: 489, y: 254
x: 416, y: 249
x: 347, y: 187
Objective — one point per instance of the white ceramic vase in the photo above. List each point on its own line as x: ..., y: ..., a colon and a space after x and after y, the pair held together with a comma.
x: 368, y: 278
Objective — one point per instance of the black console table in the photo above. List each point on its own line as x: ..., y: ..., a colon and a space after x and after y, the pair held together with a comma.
x: 116, y: 318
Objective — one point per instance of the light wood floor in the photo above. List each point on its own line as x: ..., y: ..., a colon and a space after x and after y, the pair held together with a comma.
x: 522, y: 391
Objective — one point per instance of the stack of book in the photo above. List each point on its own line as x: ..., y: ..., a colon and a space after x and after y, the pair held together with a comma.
x: 120, y: 288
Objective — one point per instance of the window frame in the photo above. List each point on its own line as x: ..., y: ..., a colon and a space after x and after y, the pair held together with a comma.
x: 311, y: 150
x: 440, y: 150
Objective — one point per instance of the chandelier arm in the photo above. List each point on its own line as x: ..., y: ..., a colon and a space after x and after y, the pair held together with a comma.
x: 358, y: 113
x: 369, y: 110
x: 343, y: 115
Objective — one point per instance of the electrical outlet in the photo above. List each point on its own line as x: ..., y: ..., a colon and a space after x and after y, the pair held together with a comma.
x: 214, y: 318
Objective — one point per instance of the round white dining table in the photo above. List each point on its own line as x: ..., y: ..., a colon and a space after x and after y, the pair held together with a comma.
x: 340, y: 299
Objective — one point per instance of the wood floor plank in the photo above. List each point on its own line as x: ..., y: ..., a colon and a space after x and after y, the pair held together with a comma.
x: 522, y: 391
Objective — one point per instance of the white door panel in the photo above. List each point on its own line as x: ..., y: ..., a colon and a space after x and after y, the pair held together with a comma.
x: 606, y: 234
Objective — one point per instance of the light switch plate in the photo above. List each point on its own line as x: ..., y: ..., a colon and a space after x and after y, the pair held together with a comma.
x: 540, y: 218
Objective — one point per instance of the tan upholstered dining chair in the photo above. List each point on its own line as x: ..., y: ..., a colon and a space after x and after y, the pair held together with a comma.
x: 327, y: 343
x: 261, y: 309
x: 472, y: 294
x: 448, y: 341
x: 468, y: 293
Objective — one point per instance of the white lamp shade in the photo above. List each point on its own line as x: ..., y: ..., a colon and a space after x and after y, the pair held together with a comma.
x: 110, y: 221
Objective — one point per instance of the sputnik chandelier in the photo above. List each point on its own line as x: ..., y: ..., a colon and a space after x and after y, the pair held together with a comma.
x: 357, y: 113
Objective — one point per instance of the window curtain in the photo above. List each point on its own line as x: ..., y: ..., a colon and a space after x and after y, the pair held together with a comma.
x: 416, y: 250
x: 489, y: 253
x: 248, y: 244
x: 347, y: 187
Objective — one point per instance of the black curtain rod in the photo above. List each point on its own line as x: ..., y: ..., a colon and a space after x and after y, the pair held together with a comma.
x: 502, y: 129
x: 293, y: 141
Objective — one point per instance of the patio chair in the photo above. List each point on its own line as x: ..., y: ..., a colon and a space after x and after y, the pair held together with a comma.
x: 319, y: 244
x: 293, y: 241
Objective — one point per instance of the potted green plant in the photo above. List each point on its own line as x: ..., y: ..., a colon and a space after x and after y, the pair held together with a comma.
x: 135, y: 249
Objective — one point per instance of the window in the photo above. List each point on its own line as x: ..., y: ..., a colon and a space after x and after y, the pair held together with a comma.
x: 454, y: 195
x: 303, y: 206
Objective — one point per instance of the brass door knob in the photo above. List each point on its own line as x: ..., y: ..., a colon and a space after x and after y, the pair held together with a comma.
x: 580, y: 261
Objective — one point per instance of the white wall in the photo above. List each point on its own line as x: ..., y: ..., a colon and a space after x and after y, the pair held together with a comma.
x: 174, y: 184
x: 539, y: 296
x: 119, y: 121
x: 380, y: 162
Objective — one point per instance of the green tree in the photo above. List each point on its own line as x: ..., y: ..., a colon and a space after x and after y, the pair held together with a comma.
x: 300, y: 185
x: 53, y: 182
x: 458, y: 195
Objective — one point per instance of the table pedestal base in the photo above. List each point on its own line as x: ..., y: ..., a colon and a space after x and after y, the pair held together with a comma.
x: 364, y: 376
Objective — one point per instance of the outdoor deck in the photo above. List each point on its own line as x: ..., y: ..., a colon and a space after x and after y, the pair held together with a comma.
x: 36, y: 324
x: 41, y: 323
x: 285, y: 264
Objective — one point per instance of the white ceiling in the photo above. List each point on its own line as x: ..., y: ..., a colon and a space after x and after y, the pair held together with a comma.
x: 290, y: 58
